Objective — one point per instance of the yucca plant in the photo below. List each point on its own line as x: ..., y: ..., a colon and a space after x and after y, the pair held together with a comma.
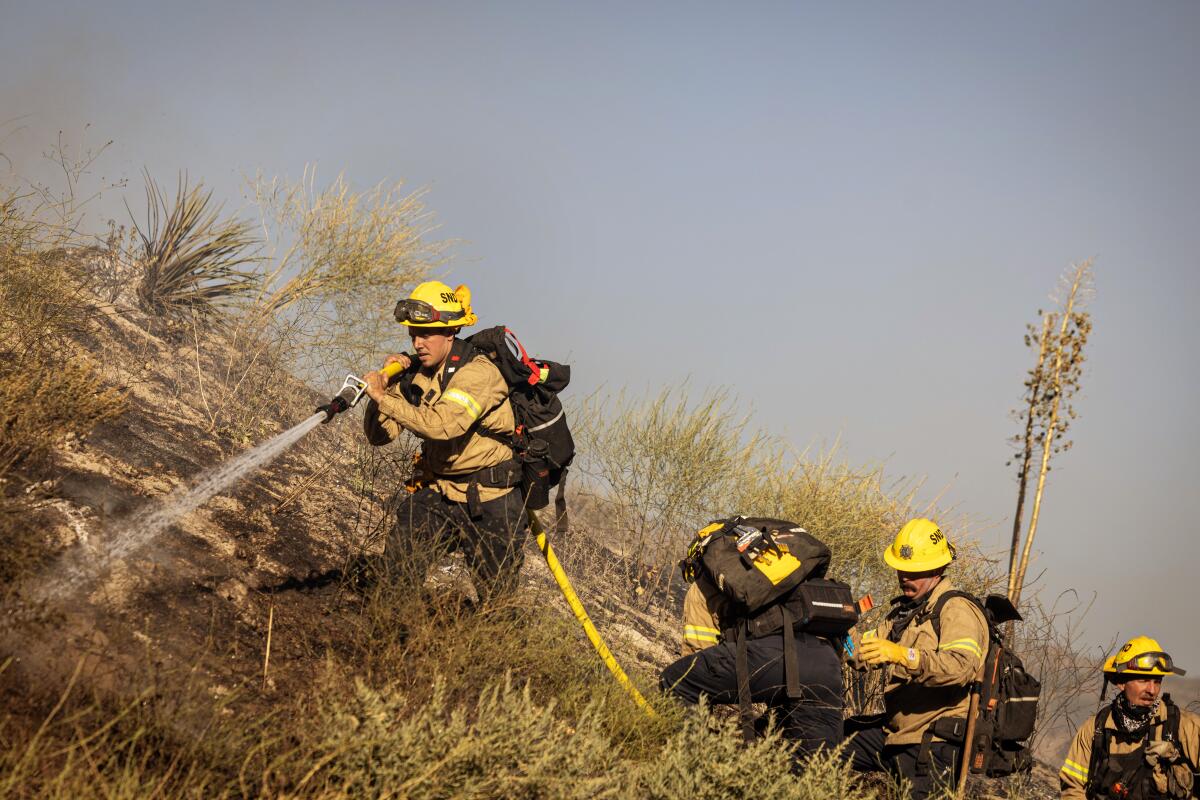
x: 190, y: 255
x: 1048, y: 411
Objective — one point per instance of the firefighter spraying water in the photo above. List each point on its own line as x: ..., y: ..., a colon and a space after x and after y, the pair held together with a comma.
x: 494, y: 442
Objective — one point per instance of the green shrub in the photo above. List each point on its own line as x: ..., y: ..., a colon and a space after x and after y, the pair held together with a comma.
x: 707, y: 760
x: 505, y: 745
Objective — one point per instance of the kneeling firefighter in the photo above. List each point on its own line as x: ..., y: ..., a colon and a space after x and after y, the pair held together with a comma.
x: 760, y: 622
x: 932, y: 645
x: 454, y: 399
x: 1141, y: 745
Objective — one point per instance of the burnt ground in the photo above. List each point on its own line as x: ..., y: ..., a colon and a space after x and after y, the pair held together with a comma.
x: 193, y: 600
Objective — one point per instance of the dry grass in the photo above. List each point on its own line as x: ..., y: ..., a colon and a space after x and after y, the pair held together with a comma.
x: 50, y: 391
x: 654, y: 470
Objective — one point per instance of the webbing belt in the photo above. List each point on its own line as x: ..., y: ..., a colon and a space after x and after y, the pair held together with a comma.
x: 791, y: 667
x: 742, y: 669
x: 560, y: 504
x: 504, y: 475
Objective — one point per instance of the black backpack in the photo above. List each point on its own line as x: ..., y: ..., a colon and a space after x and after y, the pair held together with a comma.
x: 1008, y: 695
x: 542, y: 440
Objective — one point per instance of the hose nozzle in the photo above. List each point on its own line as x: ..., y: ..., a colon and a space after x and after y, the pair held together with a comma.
x: 353, y: 389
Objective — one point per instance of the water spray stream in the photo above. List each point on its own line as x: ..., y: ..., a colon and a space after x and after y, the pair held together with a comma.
x: 144, y: 526
x: 147, y: 524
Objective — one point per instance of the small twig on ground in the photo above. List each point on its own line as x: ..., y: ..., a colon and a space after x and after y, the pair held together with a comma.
x: 267, y: 650
x: 304, y: 484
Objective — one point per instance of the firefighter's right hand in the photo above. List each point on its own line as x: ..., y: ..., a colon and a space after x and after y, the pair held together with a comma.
x: 877, y: 652
x: 376, y: 385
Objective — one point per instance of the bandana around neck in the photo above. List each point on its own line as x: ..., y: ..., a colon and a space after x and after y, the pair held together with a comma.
x: 1132, y: 719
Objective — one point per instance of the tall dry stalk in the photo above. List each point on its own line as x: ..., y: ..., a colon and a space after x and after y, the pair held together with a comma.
x: 1057, y: 381
x: 1026, y: 441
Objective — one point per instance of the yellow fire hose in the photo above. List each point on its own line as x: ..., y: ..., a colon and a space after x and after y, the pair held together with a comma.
x: 593, y: 635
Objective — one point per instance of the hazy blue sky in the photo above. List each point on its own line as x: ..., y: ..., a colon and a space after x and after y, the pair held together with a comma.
x: 846, y: 212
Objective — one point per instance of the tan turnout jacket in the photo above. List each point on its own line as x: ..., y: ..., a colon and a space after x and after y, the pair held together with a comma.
x: 1073, y: 775
x: 448, y: 424
x: 702, y: 607
x: 946, y: 668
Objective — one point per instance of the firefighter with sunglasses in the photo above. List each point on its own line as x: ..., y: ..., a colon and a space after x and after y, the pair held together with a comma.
x: 454, y: 400
x: 1141, y: 745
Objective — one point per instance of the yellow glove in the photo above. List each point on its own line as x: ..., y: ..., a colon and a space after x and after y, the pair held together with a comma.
x: 877, y: 651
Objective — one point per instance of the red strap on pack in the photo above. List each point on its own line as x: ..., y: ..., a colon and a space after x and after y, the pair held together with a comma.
x: 535, y: 372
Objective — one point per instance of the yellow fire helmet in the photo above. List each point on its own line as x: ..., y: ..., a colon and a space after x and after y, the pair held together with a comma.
x: 1141, y: 655
x: 919, y: 547
x: 433, y: 304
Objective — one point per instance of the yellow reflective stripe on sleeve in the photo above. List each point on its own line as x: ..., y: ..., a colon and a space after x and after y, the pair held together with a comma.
x: 1074, y: 769
x: 701, y: 634
x: 465, y: 400
x: 969, y: 645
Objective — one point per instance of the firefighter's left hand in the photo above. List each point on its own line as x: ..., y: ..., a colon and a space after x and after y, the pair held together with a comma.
x: 376, y: 385
x: 403, y: 359
x: 876, y: 652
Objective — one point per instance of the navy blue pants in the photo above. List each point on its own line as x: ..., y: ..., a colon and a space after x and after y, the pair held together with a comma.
x: 867, y: 753
x: 813, y: 720
x: 429, y: 526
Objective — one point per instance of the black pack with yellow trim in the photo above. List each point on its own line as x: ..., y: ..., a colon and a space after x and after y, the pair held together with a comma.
x: 768, y: 566
x: 774, y: 572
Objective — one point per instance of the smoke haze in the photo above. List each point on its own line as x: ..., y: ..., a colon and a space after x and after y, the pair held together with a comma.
x: 845, y: 212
